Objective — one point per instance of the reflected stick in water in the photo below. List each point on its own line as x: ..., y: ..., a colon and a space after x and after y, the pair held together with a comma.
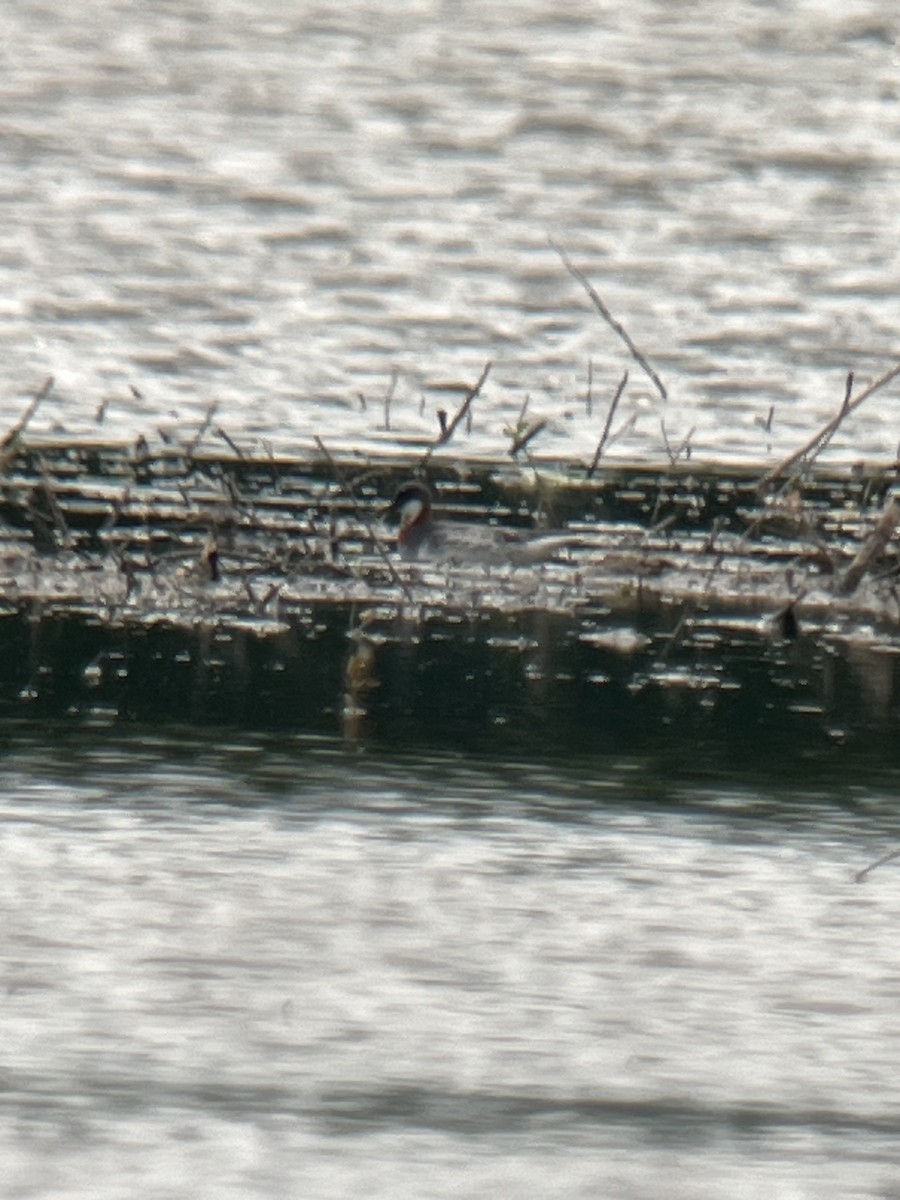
x: 785, y: 620
x: 607, y: 316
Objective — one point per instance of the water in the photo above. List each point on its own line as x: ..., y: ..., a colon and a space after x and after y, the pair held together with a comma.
x: 241, y: 967
x: 260, y: 966
x: 279, y: 206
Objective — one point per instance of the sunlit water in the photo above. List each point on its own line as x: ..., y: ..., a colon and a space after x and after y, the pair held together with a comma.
x: 278, y: 206
x: 269, y: 969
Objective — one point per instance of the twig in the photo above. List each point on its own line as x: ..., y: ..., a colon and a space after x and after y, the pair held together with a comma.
x: 879, y: 862
x: 827, y: 430
x: 229, y: 442
x: 848, y: 391
x: 13, y: 434
x: 683, y: 446
x: 604, y: 437
x: 204, y: 426
x: 364, y: 518
x: 589, y: 395
x: 388, y: 398
x: 56, y: 512
x: 522, y: 439
x: 447, y: 433
x: 766, y: 425
x: 607, y: 316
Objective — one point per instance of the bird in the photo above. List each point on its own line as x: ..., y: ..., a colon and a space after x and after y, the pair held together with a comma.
x: 423, y: 536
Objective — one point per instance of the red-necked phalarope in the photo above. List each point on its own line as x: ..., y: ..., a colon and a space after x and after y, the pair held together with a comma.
x: 423, y: 536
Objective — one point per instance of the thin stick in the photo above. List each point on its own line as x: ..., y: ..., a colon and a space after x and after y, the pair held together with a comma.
x: 604, y: 436
x: 18, y: 429
x: 521, y: 440
x: 848, y: 391
x: 204, y: 426
x: 607, y: 316
x: 56, y: 512
x: 829, y: 428
x: 364, y: 518
x: 879, y: 862
x: 389, y: 396
x: 589, y: 395
x: 446, y: 434
x: 684, y: 446
x: 229, y: 442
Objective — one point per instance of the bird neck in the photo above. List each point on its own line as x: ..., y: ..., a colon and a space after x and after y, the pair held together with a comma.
x: 415, y: 522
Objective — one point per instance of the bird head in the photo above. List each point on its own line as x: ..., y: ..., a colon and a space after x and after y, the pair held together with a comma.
x: 411, y: 505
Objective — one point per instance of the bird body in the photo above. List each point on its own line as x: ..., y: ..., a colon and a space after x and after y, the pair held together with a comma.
x: 422, y: 536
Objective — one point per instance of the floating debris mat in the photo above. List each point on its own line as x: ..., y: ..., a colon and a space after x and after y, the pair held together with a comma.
x: 679, y: 601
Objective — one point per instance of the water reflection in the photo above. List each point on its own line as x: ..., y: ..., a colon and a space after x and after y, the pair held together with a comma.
x: 522, y: 960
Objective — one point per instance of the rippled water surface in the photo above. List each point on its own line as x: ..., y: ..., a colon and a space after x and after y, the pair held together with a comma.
x: 269, y: 966
x: 258, y: 968
x: 284, y: 206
